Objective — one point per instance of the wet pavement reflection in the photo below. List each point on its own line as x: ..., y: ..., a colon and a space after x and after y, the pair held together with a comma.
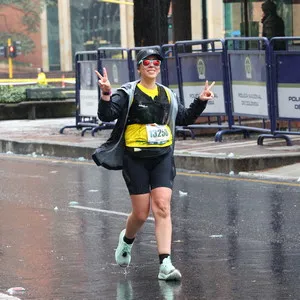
x: 232, y: 238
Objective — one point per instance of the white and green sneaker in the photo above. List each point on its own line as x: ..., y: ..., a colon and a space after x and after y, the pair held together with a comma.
x: 167, y: 271
x: 123, y: 251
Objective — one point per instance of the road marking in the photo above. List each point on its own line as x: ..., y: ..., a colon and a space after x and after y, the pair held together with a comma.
x: 111, y: 212
x: 7, y: 297
x: 90, y: 163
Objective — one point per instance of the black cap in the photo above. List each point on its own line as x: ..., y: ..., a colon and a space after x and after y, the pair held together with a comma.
x: 144, y: 53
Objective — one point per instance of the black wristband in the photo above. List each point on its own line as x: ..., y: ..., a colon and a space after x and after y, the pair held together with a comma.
x: 106, y: 93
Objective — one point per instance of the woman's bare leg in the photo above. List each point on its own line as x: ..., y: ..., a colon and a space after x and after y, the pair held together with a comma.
x: 161, y: 208
x: 139, y: 214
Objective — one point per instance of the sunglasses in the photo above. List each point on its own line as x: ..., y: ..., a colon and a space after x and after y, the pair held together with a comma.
x: 147, y: 62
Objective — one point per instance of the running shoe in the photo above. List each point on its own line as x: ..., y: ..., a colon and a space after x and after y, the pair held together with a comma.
x: 123, y: 251
x: 167, y: 271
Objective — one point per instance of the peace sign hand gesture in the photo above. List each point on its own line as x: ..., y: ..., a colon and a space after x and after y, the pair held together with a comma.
x: 104, y: 83
x: 207, y: 94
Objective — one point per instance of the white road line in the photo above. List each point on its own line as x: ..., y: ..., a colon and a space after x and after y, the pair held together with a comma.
x: 7, y: 297
x: 111, y: 212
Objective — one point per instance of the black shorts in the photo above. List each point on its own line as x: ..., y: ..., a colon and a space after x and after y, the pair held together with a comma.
x: 145, y: 174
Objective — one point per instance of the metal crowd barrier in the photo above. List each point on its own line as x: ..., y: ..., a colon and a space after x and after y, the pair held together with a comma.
x: 198, y: 61
x: 115, y: 61
x: 254, y: 83
x: 86, y: 95
x: 285, y: 89
x: 249, y: 77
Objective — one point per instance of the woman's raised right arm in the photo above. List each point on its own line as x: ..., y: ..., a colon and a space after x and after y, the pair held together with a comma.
x: 111, y: 110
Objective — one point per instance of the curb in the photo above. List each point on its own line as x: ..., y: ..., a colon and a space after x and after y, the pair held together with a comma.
x: 269, y: 176
x: 228, y: 165
x: 46, y: 149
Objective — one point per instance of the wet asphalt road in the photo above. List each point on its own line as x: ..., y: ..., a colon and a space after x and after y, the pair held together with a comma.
x: 233, y: 238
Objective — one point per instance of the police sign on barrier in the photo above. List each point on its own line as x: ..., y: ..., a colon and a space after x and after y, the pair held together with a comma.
x: 249, y: 82
x: 86, y: 91
x: 288, y: 93
x: 198, y: 66
x: 286, y: 84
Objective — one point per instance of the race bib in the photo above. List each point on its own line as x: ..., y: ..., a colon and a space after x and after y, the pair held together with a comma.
x: 158, y: 134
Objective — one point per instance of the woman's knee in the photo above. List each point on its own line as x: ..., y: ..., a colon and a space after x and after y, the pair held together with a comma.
x: 140, y: 207
x: 161, y: 202
x: 141, y: 216
x: 161, y: 208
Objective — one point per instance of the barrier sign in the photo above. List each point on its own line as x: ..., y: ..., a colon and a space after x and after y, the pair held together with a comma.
x: 88, y: 89
x: 196, y: 70
x: 289, y: 101
x: 249, y: 90
x: 288, y: 85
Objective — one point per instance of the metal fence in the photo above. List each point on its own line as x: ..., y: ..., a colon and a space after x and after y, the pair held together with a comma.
x: 254, y: 83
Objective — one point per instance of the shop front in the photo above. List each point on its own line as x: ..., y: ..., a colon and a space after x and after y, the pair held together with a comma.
x: 243, y: 17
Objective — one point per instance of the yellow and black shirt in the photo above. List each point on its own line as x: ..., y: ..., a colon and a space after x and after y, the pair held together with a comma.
x: 147, y: 120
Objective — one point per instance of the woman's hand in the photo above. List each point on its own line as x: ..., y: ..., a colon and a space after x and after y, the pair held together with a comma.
x: 104, y: 85
x: 207, y: 94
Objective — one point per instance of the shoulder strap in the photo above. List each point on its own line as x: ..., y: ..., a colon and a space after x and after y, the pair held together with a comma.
x: 129, y: 88
x: 173, y: 108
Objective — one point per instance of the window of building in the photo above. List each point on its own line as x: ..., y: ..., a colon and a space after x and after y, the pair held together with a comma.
x: 245, y: 20
x: 94, y: 24
x: 53, y: 36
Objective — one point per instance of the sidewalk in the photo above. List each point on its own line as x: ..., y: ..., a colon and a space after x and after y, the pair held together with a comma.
x: 235, y: 155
